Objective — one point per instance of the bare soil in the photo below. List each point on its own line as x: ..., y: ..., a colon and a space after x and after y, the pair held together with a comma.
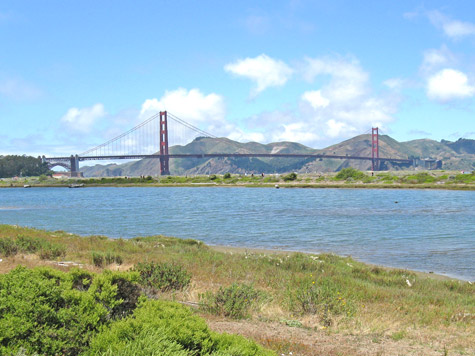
x: 298, y: 341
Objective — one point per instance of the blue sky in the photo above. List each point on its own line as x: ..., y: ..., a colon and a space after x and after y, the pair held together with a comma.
x: 76, y: 73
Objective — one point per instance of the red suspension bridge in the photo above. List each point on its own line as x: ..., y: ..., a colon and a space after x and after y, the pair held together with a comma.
x: 152, y: 138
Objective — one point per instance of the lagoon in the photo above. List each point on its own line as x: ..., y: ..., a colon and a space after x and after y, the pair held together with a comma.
x: 424, y: 230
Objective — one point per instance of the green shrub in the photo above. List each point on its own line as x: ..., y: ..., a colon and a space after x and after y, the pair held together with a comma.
x: 234, y: 301
x: 167, y: 328
x: 162, y: 276
x: 227, y: 175
x: 50, y: 251
x: 213, y: 177
x: 8, y: 247
x: 97, y: 259
x: 111, y: 258
x: 419, y: 178
x: 290, y: 177
x: 41, y: 312
x: 350, y: 172
x: 118, y: 292
x: 25, y: 244
x: 310, y: 294
x: 28, y: 244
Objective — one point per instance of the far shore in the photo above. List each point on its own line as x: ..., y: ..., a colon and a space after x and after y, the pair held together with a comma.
x: 467, y: 187
x: 346, y: 178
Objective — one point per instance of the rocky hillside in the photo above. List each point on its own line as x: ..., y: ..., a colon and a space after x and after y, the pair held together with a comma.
x: 459, y: 155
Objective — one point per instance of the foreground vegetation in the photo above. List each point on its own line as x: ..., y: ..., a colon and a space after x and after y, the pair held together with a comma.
x: 119, y: 297
x: 346, y: 178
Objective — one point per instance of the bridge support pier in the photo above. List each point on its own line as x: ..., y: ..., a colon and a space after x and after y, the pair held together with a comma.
x: 75, y: 166
x: 164, y: 159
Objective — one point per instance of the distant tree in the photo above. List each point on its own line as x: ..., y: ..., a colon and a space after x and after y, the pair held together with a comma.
x: 25, y: 166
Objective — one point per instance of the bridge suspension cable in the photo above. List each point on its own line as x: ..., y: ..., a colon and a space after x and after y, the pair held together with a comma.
x: 190, y: 126
x: 144, y: 137
x: 117, y: 138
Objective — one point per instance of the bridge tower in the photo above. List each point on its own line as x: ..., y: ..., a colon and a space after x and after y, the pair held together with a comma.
x: 164, y: 161
x: 375, y: 149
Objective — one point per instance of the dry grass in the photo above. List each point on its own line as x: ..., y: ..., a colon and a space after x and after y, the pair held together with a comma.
x: 426, y: 318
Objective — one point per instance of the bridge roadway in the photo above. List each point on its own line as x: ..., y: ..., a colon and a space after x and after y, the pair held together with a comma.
x: 217, y: 155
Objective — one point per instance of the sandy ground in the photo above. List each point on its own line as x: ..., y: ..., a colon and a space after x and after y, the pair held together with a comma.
x: 308, y: 342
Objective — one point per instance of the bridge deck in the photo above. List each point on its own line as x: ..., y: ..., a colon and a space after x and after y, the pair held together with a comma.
x: 220, y: 155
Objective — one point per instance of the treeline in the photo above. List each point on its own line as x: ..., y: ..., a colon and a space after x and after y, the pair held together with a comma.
x: 25, y: 166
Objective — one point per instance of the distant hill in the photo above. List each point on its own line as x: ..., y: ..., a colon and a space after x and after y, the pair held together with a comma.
x: 462, y: 145
x: 459, y: 155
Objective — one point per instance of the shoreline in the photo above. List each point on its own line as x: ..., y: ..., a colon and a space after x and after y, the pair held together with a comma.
x: 422, y: 186
x: 266, y: 251
x: 243, y: 250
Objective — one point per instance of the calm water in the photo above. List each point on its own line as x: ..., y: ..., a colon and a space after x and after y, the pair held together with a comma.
x: 425, y: 230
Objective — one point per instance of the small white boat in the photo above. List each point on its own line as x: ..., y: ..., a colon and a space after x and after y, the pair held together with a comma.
x: 27, y: 186
x: 276, y: 186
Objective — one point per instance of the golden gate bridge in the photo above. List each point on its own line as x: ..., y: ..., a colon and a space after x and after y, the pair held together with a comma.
x: 153, y: 137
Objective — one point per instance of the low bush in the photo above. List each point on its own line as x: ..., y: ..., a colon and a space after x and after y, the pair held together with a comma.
x: 28, y: 244
x: 234, y: 301
x: 167, y: 328
x: 419, y: 178
x: 227, y: 175
x: 162, y: 276
x: 50, y: 251
x: 97, y: 259
x: 100, y: 259
x: 290, y: 177
x: 8, y: 247
x: 111, y: 258
x: 25, y: 244
x: 312, y: 294
x: 49, y: 312
x: 350, y: 172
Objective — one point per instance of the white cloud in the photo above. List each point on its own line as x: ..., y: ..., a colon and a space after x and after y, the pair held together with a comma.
x: 452, y: 28
x: 315, y: 99
x: 82, y: 120
x: 190, y: 105
x: 348, y: 80
x: 241, y: 136
x: 263, y: 70
x: 206, y: 112
x: 337, y: 128
x: 347, y: 95
x: 449, y: 84
x: 343, y: 106
x: 295, y: 132
x: 395, y: 83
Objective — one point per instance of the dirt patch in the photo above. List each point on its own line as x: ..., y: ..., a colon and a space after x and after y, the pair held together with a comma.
x: 297, y: 341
